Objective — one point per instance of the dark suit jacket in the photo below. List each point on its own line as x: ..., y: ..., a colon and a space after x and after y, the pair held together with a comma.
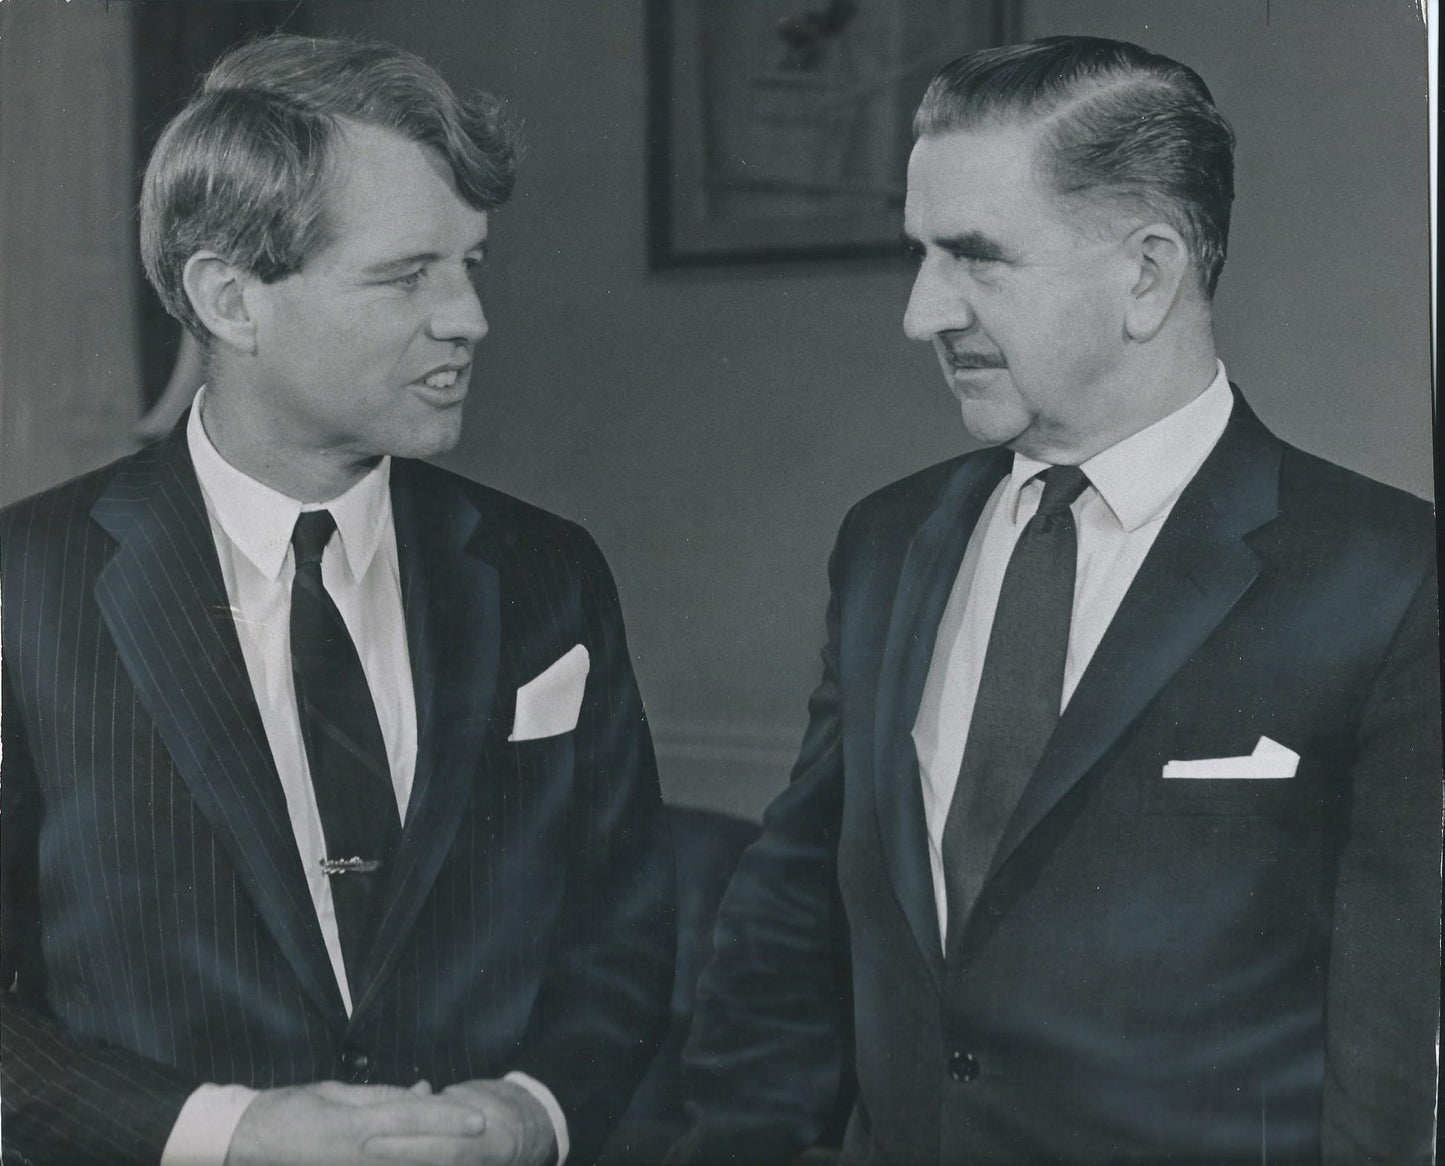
x: 1211, y: 971
x: 157, y: 927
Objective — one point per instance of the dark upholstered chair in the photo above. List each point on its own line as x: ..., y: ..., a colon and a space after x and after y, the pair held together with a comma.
x: 708, y: 846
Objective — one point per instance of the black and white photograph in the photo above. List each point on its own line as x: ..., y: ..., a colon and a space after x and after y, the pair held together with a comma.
x: 718, y: 583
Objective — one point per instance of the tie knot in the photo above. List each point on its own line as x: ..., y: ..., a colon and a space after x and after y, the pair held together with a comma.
x: 314, y: 529
x: 1062, y: 484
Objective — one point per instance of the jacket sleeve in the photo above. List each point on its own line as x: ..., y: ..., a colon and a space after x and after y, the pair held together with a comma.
x: 64, y: 1100
x: 767, y: 1067
x: 1382, y: 1002
x: 603, y: 1007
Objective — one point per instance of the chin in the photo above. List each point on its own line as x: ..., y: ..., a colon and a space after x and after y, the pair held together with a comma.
x: 437, y: 433
x: 991, y: 426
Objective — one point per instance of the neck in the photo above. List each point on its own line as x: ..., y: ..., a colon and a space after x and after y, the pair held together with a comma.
x: 1155, y: 384
x: 1166, y: 385
x: 1177, y: 365
x: 307, y: 475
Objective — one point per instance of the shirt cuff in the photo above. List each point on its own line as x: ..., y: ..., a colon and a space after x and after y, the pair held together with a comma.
x: 549, y: 1103
x: 202, y: 1133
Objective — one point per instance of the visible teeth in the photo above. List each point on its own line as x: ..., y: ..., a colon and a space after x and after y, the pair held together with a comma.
x: 442, y: 380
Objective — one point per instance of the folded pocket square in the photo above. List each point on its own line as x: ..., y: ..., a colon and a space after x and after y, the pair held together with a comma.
x: 548, y: 704
x: 1270, y: 759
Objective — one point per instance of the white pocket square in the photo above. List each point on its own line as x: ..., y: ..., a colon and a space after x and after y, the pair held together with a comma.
x: 548, y: 704
x: 1270, y: 759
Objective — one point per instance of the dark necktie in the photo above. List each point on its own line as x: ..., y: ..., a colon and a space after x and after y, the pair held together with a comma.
x: 1019, y: 692
x: 344, y: 747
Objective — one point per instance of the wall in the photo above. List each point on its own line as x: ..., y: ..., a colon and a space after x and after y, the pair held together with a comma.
x: 712, y: 427
x: 69, y: 373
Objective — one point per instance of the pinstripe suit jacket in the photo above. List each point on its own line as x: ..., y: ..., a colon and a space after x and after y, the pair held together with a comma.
x: 157, y: 928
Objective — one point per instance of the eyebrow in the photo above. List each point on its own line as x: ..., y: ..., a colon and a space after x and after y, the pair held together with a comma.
x: 401, y: 263
x: 965, y: 243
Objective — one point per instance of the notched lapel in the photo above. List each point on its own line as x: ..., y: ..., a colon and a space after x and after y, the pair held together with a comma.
x: 1199, y: 567
x: 452, y: 597
x: 924, y: 585
x: 164, y: 601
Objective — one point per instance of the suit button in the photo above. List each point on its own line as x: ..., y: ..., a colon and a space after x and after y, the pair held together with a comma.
x: 962, y: 1066
x: 358, y: 1066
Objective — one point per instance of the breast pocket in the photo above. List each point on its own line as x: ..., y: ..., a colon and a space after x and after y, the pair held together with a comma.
x: 1222, y: 792
x: 1223, y: 795
x: 536, y: 760
x: 523, y: 791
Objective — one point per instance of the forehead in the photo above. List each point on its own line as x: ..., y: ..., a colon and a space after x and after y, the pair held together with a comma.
x: 987, y: 180
x: 388, y: 194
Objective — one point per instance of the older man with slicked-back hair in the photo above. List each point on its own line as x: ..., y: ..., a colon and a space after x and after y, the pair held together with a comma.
x: 1115, y: 836
x: 332, y: 830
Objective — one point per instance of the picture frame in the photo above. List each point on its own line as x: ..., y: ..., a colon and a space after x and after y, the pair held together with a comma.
x: 780, y: 129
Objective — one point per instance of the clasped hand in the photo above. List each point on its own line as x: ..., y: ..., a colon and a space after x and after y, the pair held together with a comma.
x: 476, y: 1123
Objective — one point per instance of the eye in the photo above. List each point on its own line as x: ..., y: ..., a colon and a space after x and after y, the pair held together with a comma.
x: 913, y: 251
x: 411, y: 280
x: 973, y: 256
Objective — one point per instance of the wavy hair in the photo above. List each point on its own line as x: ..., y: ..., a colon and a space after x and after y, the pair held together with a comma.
x: 243, y: 169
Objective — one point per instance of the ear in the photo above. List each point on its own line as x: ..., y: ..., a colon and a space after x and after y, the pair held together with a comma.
x: 1161, y: 259
x: 216, y: 289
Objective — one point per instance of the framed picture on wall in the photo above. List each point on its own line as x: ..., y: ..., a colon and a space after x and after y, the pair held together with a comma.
x: 780, y: 128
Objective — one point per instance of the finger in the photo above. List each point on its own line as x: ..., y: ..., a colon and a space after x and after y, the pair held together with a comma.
x: 480, y: 1096
x: 503, y: 1136
x: 475, y: 1093
x: 340, y: 1093
x: 426, y: 1150
x: 421, y: 1115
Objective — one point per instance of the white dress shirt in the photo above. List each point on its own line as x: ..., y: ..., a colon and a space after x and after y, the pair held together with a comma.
x: 1133, y: 486
x: 252, y: 526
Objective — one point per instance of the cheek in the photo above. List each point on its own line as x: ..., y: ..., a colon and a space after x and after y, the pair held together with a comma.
x: 1070, y: 329
x: 320, y: 343
x: 1096, y: 306
x: 386, y: 344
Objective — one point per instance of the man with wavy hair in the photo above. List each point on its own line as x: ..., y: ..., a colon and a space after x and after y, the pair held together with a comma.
x: 1115, y: 836
x: 332, y: 830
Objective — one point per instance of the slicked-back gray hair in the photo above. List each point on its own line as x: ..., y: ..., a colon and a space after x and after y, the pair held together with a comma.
x: 1119, y: 122
x: 243, y: 169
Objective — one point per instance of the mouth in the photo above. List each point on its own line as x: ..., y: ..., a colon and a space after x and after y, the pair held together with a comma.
x: 443, y: 378
x: 447, y: 385
x: 972, y: 361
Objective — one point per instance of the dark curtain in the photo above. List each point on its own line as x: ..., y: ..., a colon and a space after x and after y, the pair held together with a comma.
x: 176, y: 41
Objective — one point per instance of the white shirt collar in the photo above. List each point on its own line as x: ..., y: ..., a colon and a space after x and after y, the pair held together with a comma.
x: 1140, y: 477
x: 259, y: 520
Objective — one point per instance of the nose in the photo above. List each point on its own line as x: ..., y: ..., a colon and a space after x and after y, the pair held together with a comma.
x: 935, y: 305
x: 458, y: 315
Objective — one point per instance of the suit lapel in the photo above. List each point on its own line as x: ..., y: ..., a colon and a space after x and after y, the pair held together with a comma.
x: 924, y: 585
x: 451, y: 595
x: 164, y: 601
x: 1197, y: 570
